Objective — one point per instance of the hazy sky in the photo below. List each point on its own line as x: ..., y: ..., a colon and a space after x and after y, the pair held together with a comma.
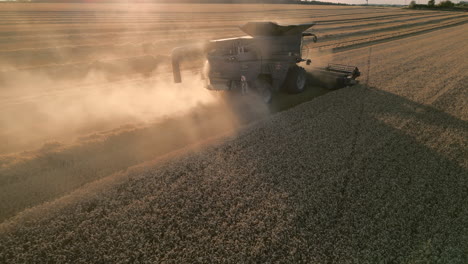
x: 394, y: 2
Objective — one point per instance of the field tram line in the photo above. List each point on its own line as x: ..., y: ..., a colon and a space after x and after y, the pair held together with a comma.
x: 7, y: 37
x: 420, y: 24
x: 41, y: 32
x: 397, y: 28
x: 363, y: 42
x: 386, y: 22
x: 64, y: 34
x: 9, y: 101
x: 339, y: 21
x: 340, y: 46
x: 86, y: 42
x: 130, y: 32
x: 94, y: 30
x: 80, y: 15
x: 197, y: 18
x: 335, y: 47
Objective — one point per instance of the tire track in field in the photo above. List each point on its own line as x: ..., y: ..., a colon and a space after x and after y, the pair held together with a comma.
x: 82, y: 50
x: 69, y: 37
x: 390, y: 28
x: 367, y: 24
x: 360, y: 42
x: 342, y: 46
x: 7, y: 102
x: 194, y: 17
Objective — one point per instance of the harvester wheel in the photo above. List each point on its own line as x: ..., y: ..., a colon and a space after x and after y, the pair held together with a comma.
x: 295, y: 80
x: 263, y: 89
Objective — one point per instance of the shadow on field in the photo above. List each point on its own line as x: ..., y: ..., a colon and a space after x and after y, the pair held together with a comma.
x: 376, y: 189
x: 350, y: 176
x: 319, y: 185
x: 57, y: 169
x: 30, y: 178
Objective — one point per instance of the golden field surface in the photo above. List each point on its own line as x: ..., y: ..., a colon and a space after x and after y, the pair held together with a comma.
x: 54, y: 54
x: 104, y: 159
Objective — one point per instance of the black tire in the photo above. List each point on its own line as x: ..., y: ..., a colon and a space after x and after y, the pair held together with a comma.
x: 263, y: 90
x: 230, y: 98
x: 296, y: 80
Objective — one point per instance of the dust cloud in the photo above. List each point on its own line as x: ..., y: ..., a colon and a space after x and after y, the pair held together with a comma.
x: 60, y: 82
x: 48, y: 112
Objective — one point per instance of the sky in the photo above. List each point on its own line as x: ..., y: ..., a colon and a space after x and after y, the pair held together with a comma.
x: 393, y: 2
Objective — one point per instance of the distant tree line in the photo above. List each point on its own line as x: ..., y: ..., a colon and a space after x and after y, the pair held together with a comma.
x: 445, y: 4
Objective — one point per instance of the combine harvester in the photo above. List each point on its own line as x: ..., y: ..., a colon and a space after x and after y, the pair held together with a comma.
x: 263, y: 63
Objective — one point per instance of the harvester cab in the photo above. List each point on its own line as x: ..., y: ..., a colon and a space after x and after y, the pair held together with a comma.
x: 264, y: 62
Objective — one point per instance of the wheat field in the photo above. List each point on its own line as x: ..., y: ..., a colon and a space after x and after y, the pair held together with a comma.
x: 104, y: 159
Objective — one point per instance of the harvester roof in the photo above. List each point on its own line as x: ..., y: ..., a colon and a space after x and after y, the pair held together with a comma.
x: 273, y: 29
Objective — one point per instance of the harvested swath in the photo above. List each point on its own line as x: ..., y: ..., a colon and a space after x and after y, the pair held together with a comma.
x: 307, y: 185
x: 77, y: 73
x: 357, y: 23
x: 90, y: 42
x: 57, y: 169
x: 364, y: 174
x: 145, y: 64
x: 350, y: 43
x: 388, y: 27
x: 64, y: 48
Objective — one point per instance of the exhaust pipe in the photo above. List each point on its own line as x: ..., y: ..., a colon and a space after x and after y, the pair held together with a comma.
x: 176, y: 65
x: 189, y: 51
